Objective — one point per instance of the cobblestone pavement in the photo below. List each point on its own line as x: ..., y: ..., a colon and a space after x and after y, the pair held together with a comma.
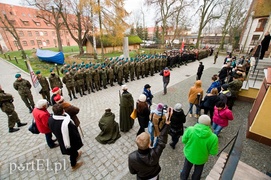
x: 22, y: 151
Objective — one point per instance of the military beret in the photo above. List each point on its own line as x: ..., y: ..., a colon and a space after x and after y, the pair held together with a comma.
x: 83, y: 62
x: 65, y: 71
x: 68, y: 66
x: 37, y: 72
x: 52, y: 69
x: 17, y: 75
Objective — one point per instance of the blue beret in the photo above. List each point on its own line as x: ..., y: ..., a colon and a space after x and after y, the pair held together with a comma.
x: 17, y: 75
x: 52, y: 69
x: 37, y: 72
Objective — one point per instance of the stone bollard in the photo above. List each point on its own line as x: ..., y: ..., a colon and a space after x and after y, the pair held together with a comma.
x: 9, y: 57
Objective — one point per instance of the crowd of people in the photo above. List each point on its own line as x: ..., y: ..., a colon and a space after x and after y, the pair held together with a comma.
x: 65, y: 125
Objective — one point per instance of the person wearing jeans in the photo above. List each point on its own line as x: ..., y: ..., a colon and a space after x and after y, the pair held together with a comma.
x: 199, y: 142
x: 221, y: 117
x: 194, y: 96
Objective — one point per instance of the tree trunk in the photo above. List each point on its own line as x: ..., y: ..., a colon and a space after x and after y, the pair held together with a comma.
x: 59, y: 42
x: 101, y: 30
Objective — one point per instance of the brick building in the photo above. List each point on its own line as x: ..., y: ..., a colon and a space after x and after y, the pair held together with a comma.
x: 33, y: 32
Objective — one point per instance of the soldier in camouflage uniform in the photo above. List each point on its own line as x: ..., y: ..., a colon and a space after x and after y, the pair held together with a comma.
x: 143, y: 70
x: 103, y: 76
x: 79, y: 81
x: 126, y: 71
x: 45, y: 91
x: 110, y: 75
x: 68, y: 80
x: 147, y: 67
x: 120, y: 73
x: 55, y: 80
x: 88, y: 79
x: 7, y: 107
x: 132, y: 70
x: 152, y: 66
x: 138, y: 70
x: 96, y: 78
x: 23, y: 87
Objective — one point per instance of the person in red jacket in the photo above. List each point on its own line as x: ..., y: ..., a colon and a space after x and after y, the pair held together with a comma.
x: 41, y: 116
x: 221, y: 117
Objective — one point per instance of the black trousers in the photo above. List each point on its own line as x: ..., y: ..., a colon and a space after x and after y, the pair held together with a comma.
x: 187, y: 168
x: 73, y: 156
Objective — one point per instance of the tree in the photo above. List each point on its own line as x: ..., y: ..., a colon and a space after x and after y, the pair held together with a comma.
x: 209, y: 10
x: 50, y: 12
x: 236, y: 12
x: 76, y: 19
x: 140, y: 32
x: 169, y: 9
x: 132, y: 31
x: 9, y: 26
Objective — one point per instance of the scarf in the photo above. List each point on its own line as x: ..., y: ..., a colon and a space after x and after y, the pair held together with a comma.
x: 64, y: 128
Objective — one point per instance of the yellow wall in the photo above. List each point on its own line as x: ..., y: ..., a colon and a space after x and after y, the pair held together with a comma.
x: 262, y: 122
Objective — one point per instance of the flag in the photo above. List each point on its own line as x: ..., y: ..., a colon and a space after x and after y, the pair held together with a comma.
x: 182, y: 47
x: 34, y: 79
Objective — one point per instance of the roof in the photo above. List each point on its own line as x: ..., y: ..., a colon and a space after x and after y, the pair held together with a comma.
x: 262, y: 8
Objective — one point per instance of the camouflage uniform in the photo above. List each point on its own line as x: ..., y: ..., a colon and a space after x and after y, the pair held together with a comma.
x: 132, y: 71
x: 79, y: 80
x: 68, y: 80
x: 110, y: 75
x: 96, y: 78
x: 23, y: 87
x: 152, y: 66
x: 88, y: 80
x: 147, y: 67
x: 120, y: 74
x: 126, y: 72
x: 138, y: 70
x: 55, y: 81
x: 45, y: 91
x: 143, y: 70
x: 7, y: 107
x: 103, y: 75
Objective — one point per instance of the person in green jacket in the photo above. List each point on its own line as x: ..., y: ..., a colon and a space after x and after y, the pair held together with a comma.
x: 199, y: 142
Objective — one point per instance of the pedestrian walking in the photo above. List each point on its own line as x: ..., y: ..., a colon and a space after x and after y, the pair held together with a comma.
x: 67, y: 135
x: 148, y: 94
x: 200, y: 71
x: 166, y: 78
x: 199, y: 142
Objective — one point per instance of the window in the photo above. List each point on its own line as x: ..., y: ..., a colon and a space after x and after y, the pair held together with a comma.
x: 15, y: 43
x: 24, y: 43
x: 53, y: 33
x: 37, y: 23
x: 45, y: 33
x: 47, y: 42
x: 39, y: 42
x: 32, y: 42
x: 29, y: 33
x: 21, y: 33
x: 10, y: 13
x: 254, y: 39
x: 37, y: 33
x: 13, y: 22
x: 67, y: 32
x: 261, y: 24
x: 26, y: 23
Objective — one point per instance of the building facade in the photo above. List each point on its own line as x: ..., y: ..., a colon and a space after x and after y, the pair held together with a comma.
x: 33, y: 32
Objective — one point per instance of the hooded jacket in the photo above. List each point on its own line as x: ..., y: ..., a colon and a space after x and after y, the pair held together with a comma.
x: 222, y: 117
x: 199, y: 141
x: 194, y: 90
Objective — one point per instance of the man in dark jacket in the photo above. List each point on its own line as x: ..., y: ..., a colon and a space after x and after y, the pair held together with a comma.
x: 67, y: 135
x: 6, y: 105
x: 200, y: 70
x: 166, y: 78
x: 144, y: 162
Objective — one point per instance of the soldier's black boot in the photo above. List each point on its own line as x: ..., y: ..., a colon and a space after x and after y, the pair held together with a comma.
x: 11, y: 130
x: 70, y: 97
x: 80, y: 94
x: 89, y: 91
x: 19, y: 124
x: 84, y: 93
x: 74, y: 96
x: 30, y: 110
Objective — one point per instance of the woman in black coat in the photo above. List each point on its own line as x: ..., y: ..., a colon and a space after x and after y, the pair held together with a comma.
x: 209, y: 102
x: 143, y: 113
x: 176, y: 124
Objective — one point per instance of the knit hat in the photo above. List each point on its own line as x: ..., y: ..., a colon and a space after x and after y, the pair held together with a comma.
x: 124, y: 87
x: 225, y: 86
x: 55, y: 90
x: 142, y: 98
x: 37, y: 72
x: 58, y: 98
x: 204, y: 119
x: 17, y: 75
x: 178, y: 107
x: 159, y: 107
x: 147, y: 86
x: 41, y: 103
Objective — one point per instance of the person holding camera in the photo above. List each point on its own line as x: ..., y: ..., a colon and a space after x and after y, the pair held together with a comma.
x: 6, y: 105
x: 144, y: 162
x: 158, y: 119
x: 177, y: 120
x: 166, y: 77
